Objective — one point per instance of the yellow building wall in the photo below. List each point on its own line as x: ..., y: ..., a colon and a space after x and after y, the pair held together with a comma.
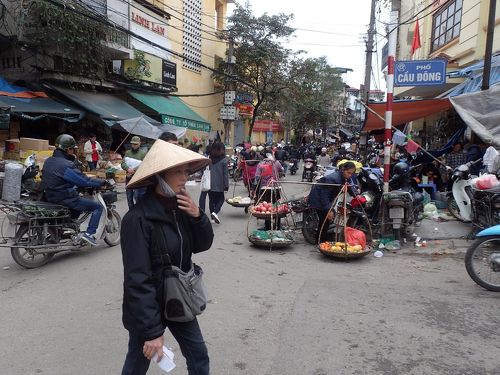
x: 188, y: 81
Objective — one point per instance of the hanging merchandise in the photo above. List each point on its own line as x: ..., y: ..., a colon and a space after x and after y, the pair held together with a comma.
x: 349, y: 242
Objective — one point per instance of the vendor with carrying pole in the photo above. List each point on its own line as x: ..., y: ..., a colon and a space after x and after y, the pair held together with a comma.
x: 267, y: 175
x: 322, y: 196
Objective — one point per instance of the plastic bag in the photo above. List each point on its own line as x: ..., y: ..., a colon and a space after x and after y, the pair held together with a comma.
x: 205, y: 180
x: 355, y: 237
x: 485, y: 182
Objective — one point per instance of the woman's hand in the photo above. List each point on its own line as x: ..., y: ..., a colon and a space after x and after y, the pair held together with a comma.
x: 153, y: 346
x: 187, y: 205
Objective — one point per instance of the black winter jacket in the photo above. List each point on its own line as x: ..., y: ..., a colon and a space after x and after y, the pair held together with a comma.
x: 142, y: 286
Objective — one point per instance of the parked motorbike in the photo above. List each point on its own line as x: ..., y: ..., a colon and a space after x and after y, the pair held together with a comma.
x: 482, y: 259
x: 293, y: 166
x: 232, y: 167
x: 44, y: 229
x: 309, y: 169
x: 472, y: 204
x: 404, y: 205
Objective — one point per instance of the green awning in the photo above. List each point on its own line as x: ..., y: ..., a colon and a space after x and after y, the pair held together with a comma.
x: 173, y: 111
x: 109, y: 108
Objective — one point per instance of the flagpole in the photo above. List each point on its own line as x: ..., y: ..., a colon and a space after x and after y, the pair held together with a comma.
x: 390, y: 90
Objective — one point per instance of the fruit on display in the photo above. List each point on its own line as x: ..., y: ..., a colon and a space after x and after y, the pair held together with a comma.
x: 239, y: 200
x: 340, y: 247
x: 269, y: 208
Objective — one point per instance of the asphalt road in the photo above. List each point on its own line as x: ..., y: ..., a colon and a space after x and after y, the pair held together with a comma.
x: 285, y: 312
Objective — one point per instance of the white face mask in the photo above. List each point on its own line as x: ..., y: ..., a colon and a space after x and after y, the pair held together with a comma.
x: 165, y: 188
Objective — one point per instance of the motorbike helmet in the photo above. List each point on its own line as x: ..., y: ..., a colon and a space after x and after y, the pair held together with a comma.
x: 401, y: 168
x: 65, y: 142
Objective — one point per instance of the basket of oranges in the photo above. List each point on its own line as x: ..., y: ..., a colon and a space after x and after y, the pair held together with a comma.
x: 342, y: 250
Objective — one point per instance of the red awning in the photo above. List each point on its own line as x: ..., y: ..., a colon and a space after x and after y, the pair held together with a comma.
x: 404, y: 111
x: 266, y: 126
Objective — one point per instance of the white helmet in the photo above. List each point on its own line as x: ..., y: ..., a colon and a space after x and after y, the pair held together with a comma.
x: 253, y: 148
x: 260, y: 148
x: 323, y: 149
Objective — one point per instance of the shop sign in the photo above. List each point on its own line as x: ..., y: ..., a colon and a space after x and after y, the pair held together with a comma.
x: 420, y: 72
x: 244, y: 98
x: 169, y: 73
x: 153, y: 66
x: 245, y: 109
x: 186, y: 123
x: 150, y: 26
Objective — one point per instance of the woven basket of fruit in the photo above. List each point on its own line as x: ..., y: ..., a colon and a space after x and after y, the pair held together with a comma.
x: 239, y: 201
x: 274, y: 239
x: 342, y: 250
x: 266, y: 210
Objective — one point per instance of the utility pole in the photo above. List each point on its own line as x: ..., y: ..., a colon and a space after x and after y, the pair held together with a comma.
x: 228, y: 111
x: 369, y: 50
x: 489, y: 45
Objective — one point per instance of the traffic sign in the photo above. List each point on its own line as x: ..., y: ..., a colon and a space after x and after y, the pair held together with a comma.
x: 420, y: 72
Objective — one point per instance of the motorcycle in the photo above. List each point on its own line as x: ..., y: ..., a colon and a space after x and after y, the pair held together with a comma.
x: 471, y: 203
x: 404, y: 205
x: 232, y: 167
x: 293, y: 166
x: 309, y: 169
x: 44, y: 229
x: 482, y: 259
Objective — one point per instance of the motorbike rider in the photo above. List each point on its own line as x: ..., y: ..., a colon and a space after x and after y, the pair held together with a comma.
x: 60, y: 177
x: 282, y: 156
x: 322, y: 197
x: 324, y: 159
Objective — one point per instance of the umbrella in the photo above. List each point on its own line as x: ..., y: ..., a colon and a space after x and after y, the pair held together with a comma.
x: 144, y: 128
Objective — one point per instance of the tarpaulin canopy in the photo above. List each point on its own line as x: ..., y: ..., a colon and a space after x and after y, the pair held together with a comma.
x: 6, y: 89
x: 109, y: 108
x: 404, y: 111
x: 173, y: 111
x: 481, y: 112
x: 38, y: 108
x: 140, y: 126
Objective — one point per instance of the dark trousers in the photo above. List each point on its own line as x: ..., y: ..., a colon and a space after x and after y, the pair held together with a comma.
x: 190, y: 340
x: 322, y: 235
x: 80, y: 205
x: 202, y: 203
x: 92, y: 165
x: 215, y: 201
x: 133, y: 195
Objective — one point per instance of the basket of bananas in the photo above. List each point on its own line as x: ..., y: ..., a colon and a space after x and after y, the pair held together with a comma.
x: 342, y: 250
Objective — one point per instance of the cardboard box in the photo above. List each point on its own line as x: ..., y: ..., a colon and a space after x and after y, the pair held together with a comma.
x: 34, y: 144
x: 12, y: 145
x: 11, y: 156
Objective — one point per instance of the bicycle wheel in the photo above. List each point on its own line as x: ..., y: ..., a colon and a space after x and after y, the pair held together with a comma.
x: 482, y: 262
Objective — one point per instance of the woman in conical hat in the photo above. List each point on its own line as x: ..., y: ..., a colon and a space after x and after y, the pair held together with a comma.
x: 165, y: 215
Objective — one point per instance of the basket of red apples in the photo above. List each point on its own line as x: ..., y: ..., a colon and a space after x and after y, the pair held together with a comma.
x: 265, y: 210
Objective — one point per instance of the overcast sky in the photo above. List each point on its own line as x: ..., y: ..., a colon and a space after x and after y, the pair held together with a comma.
x: 342, y: 24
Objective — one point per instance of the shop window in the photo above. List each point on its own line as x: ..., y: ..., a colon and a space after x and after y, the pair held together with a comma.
x: 446, y: 24
x: 191, y: 39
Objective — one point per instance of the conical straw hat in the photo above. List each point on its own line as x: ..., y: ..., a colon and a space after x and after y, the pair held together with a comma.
x: 163, y: 156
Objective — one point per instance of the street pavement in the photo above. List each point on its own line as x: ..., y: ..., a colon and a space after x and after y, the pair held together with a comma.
x: 280, y: 312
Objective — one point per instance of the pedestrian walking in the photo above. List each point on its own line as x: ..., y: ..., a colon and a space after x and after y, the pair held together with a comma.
x: 219, y: 180
x: 130, y: 163
x: 166, y: 225
x: 92, y: 150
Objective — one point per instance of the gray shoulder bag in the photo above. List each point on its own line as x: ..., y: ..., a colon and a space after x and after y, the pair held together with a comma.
x: 184, y: 293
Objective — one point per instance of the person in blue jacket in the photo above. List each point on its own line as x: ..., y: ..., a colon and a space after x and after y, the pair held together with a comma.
x: 60, y: 177
x: 321, y: 197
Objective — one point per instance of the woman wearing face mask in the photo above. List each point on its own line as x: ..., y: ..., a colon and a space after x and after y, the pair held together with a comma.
x: 167, y: 208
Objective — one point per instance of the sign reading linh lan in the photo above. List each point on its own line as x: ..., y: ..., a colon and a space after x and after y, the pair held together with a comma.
x: 420, y: 72
x: 185, y: 123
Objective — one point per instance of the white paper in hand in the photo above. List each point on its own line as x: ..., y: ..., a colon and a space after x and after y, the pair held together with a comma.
x: 167, y: 361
